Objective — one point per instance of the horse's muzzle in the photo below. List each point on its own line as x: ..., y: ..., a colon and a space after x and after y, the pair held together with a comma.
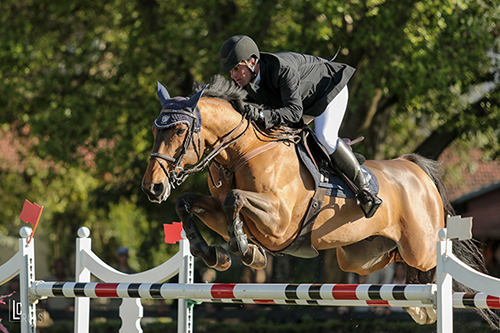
x: 157, y: 192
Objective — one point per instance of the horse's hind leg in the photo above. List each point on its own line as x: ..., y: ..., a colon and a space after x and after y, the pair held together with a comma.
x: 421, y: 315
x: 206, y: 209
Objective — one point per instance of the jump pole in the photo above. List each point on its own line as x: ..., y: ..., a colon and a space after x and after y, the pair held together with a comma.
x: 308, y: 292
x: 388, y: 295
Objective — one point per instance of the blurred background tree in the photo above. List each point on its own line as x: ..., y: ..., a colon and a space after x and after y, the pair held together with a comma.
x: 78, y: 94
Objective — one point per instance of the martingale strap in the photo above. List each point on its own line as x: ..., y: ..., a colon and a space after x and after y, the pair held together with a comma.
x: 242, y: 161
x: 253, y: 154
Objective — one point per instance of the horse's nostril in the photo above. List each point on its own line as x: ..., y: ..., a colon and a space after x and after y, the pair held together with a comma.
x: 157, y: 189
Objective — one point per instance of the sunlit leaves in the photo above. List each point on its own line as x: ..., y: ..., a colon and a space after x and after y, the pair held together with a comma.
x: 78, y: 82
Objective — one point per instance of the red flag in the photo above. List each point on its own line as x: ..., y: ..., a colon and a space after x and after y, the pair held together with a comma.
x: 31, y: 214
x: 172, y: 232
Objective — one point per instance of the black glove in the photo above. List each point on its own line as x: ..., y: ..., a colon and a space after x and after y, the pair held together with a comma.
x: 253, y: 112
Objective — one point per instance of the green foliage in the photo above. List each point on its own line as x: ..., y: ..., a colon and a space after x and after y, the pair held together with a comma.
x: 78, y: 93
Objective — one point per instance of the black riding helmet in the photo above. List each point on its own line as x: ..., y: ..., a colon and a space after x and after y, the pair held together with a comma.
x: 237, y: 49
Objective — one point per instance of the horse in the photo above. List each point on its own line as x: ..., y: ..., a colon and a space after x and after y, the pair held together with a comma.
x: 261, y: 192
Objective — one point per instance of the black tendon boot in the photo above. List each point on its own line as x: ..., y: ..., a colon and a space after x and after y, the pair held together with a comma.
x: 344, y: 159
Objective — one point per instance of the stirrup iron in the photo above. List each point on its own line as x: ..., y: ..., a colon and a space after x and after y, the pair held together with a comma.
x: 370, y: 207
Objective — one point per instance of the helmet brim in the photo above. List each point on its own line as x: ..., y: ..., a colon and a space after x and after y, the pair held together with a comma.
x: 227, y: 67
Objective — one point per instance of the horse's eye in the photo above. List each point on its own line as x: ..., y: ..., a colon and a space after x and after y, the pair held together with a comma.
x: 180, y: 131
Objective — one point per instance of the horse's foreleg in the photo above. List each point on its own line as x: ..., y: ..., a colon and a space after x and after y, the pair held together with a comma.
x: 206, y: 209
x: 260, y: 207
x: 238, y: 241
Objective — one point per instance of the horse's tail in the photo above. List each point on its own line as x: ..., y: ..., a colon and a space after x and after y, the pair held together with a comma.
x: 466, y: 250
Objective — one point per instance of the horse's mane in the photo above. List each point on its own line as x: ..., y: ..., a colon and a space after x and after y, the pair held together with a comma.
x: 223, y: 89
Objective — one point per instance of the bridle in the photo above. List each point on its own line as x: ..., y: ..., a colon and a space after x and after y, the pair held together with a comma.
x: 178, y: 175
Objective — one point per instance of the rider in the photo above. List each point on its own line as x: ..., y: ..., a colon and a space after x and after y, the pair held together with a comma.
x: 292, y: 85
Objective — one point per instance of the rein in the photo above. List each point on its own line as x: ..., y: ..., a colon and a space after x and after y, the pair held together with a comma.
x: 289, y: 134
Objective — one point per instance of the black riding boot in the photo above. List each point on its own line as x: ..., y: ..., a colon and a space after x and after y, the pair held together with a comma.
x: 343, y: 158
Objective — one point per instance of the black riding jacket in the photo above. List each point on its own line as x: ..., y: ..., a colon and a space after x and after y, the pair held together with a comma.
x: 292, y: 84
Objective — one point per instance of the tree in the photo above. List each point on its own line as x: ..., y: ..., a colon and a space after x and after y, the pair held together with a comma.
x: 79, y: 90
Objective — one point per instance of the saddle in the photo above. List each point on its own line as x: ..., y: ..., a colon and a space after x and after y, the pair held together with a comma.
x: 318, y: 155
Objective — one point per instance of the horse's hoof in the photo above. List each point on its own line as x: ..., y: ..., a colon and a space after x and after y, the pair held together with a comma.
x: 431, y: 315
x: 421, y: 316
x: 255, y: 258
x: 222, y: 259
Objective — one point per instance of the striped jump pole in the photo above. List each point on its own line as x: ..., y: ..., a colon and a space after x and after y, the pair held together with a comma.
x: 327, y: 294
x: 459, y: 300
x: 388, y: 295
x: 335, y: 302
x: 475, y: 300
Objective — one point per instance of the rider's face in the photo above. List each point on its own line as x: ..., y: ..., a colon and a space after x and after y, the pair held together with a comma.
x: 241, y: 74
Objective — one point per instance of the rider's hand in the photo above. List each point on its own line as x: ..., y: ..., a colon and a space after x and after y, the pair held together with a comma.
x: 254, y: 113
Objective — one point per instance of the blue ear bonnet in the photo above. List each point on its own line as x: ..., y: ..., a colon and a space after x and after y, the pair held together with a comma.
x: 171, y: 119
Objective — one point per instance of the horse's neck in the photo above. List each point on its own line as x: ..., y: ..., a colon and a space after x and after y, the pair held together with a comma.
x: 219, y: 120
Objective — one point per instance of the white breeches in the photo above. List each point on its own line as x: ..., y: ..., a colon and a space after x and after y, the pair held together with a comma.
x: 327, y: 125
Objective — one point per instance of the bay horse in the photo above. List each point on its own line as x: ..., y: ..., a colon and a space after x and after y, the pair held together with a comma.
x: 261, y: 191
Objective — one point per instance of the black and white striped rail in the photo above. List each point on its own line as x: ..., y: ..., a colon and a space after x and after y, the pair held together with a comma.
x: 389, y: 295
x: 310, y: 292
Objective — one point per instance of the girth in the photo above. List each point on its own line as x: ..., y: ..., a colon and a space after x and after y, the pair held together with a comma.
x: 302, y: 244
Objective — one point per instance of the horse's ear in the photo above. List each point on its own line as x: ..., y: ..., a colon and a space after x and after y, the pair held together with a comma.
x: 162, y: 93
x: 194, y: 100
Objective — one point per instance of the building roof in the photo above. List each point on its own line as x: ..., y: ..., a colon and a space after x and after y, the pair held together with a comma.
x: 476, y: 191
x: 476, y: 176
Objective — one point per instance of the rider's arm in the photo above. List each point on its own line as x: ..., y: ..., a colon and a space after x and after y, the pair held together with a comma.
x: 286, y: 80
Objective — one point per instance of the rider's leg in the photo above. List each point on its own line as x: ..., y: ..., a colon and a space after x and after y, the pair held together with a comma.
x: 344, y: 159
x: 327, y: 127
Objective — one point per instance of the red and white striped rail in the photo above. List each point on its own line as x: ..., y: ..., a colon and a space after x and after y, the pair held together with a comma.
x: 238, y: 291
x: 388, y: 295
x: 460, y: 300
